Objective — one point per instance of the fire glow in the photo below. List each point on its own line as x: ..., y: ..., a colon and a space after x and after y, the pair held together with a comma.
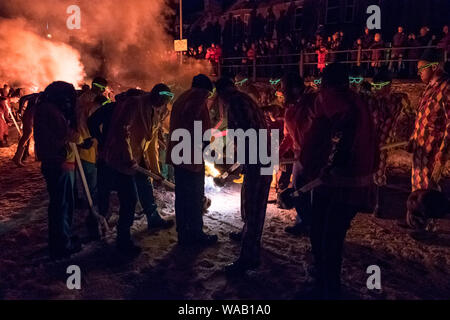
x: 211, y: 170
x: 33, y: 57
x: 33, y: 61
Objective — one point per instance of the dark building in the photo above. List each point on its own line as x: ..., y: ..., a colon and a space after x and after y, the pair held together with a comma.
x: 351, y: 15
x: 309, y: 16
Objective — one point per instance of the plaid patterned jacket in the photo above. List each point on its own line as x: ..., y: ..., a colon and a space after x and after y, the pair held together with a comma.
x: 432, y: 123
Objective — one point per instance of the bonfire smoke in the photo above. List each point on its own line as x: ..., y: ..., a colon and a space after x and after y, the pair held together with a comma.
x: 125, y: 41
x: 32, y: 62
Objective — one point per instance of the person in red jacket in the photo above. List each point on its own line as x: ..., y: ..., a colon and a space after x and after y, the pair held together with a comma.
x: 321, y: 58
x: 341, y: 140
x: 217, y: 58
x: 213, y: 55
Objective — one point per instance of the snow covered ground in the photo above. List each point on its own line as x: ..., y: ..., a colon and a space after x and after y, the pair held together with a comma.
x: 409, y: 269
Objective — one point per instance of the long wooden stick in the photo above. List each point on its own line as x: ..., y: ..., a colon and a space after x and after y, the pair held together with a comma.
x: 101, y: 220
x: 394, y: 145
x: 152, y: 175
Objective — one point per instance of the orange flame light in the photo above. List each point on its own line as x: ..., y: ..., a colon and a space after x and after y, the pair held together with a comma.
x: 211, y: 170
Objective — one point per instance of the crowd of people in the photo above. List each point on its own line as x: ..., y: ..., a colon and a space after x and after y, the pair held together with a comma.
x: 272, y: 40
x: 336, y: 133
x: 9, y: 103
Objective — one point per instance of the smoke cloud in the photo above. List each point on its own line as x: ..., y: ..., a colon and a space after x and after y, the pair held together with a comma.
x: 32, y: 62
x: 125, y: 41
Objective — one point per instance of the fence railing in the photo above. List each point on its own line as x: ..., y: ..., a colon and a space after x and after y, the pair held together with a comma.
x: 306, y: 62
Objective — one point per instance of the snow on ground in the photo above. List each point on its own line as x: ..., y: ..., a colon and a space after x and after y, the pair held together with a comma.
x: 410, y: 269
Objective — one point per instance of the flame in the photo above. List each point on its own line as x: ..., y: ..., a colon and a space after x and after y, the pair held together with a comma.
x: 211, y: 170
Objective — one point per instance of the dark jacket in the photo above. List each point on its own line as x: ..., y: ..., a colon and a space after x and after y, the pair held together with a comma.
x: 52, y: 135
x: 400, y: 40
x: 341, y: 114
x: 191, y: 106
x: 99, y: 123
x: 295, y: 124
x: 244, y: 113
x: 129, y: 134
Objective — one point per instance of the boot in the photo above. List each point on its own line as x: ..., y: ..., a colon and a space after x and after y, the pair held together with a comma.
x: 154, y: 221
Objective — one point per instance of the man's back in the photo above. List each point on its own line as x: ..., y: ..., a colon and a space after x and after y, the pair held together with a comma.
x: 189, y: 108
x: 130, y: 129
x: 341, y: 114
x: 51, y: 133
x: 244, y: 113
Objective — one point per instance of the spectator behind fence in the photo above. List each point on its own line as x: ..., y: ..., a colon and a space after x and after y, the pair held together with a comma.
x: 277, y: 36
x: 377, y: 54
x: 444, y: 42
